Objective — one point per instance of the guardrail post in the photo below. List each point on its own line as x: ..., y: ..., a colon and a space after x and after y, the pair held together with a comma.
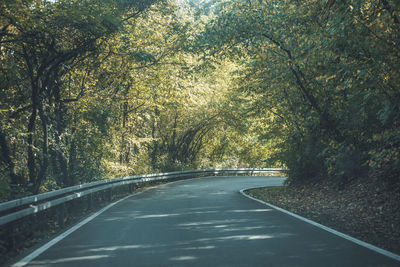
x: 109, y: 195
x: 89, y: 201
x: 33, y: 225
x: 130, y: 188
x: 10, y: 241
x: 61, y: 214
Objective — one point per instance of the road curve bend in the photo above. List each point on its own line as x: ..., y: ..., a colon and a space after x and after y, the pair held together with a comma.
x: 203, y: 222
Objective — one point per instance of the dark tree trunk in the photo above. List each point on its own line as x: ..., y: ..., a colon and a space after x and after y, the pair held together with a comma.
x: 31, y: 155
x: 15, y: 179
x: 45, y: 153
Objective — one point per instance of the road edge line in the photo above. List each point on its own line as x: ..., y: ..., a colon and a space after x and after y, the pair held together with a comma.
x: 31, y: 256
x: 27, y: 259
x: 340, y: 234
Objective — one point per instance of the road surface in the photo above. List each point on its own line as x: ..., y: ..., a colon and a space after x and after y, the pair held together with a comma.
x: 203, y: 222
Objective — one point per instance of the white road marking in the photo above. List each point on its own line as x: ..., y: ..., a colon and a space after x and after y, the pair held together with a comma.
x: 352, y: 239
x: 54, y: 241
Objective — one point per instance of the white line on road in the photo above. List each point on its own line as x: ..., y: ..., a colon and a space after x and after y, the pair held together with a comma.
x: 54, y: 241
x: 60, y: 237
x: 352, y: 239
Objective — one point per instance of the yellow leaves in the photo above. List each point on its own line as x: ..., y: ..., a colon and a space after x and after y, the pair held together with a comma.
x: 326, y: 79
x: 361, y: 73
x: 330, y: 78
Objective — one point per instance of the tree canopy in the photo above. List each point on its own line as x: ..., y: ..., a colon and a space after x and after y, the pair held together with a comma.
x: 94, y: 89
x: 326, y: 73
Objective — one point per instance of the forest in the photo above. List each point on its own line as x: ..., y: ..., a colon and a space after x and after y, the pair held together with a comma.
x: 95, y: 89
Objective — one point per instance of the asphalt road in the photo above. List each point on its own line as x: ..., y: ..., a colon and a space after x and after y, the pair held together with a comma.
x: 203, y: 222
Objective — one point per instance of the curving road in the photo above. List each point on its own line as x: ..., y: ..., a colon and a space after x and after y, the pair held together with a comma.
x: 203, y: 222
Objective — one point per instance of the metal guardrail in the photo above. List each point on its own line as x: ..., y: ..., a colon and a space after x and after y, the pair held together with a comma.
x: 19, y: 208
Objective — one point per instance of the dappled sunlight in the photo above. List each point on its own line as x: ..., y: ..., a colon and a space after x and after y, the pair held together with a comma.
x: 224, y: 226
x: 179, y: 233
x: 114, y: 248
x: 112, y: 219
x: 183, y: 258
x: 199, y: 248
x: 255, y: 210
x: 195, y: 245
x: 131, y: 247
x: 244, y: 228
x: 213, y: 222
x: 236, y: 238
x: 318, y: 249
x: 151, y: 216
x: 203, y: 212
x: 203, y: 208
x: 138, y: 215
x: 71, y: 259
x: 219, y: 193
x: 246, y: 237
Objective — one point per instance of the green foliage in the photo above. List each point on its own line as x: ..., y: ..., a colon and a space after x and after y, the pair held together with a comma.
x: 51, y: 124
x: 94, y: 89
x: 327, y: 72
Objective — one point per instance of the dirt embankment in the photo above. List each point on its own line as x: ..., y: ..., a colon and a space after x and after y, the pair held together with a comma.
x: 367, y: 210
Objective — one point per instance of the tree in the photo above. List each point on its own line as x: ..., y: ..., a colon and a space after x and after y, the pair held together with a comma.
x: 43, y: 42
x: 326, y: 71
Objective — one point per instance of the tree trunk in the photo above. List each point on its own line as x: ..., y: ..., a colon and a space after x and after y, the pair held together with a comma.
x: 60, y: 129
x: 15, y: 179
x: 45, y: 153
x: 31, y: 155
